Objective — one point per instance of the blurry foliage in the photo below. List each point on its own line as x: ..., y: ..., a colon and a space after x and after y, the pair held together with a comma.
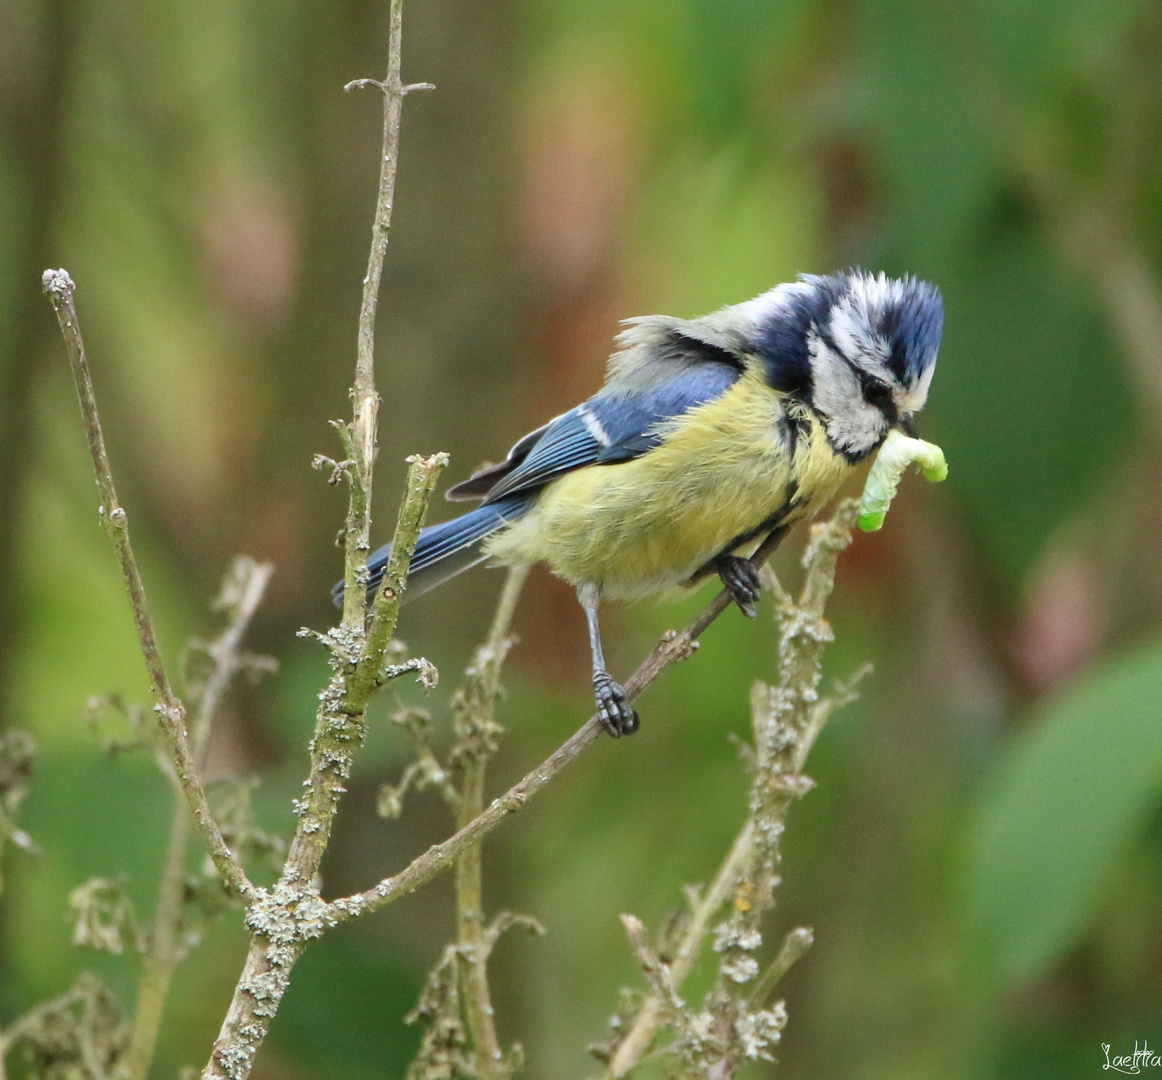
x: 982, y: 867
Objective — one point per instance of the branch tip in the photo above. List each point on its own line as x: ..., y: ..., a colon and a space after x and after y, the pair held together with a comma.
x: 58, y: 282
x: 363, y: 84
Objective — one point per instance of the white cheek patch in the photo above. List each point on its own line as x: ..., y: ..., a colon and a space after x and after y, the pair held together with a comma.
x: 835, y: 387
x: 852, y: 424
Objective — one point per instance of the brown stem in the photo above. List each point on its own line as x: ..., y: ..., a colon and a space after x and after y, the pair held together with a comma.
x: 476, y: 726
x: 170, y: 711
x: 293, y: 913
x: 649, y: 1019
x: 361, y: 435
x: 442, y: 856
x: 242, y: 593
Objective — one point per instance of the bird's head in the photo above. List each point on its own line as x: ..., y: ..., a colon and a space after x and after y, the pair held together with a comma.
x: 857, y: 349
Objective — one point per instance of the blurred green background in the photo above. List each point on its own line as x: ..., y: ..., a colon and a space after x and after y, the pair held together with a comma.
x: 982, y: 859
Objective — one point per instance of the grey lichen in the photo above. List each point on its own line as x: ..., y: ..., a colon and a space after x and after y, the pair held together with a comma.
x: 290, y: 914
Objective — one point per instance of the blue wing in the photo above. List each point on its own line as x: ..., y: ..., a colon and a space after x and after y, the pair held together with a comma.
x: 614, y: 425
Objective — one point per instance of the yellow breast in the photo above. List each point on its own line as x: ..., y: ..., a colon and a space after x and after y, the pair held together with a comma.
x: 642, y: 526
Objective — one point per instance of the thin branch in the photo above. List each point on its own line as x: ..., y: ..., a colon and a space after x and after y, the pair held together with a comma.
x: 477, y: 732
x: 650, y: 1017
x: 422, y: 476
x: 795, y: 946
x: 358, y: 662
x: 170, y: 711
x: 442, y: 856
x: 284, y: 919
x: 788, y: 719
x: 241, y: 594
x: 361, y: 435
x: 658, y: 974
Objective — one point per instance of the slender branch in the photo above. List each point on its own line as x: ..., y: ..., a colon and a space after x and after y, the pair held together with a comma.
x: 442, y: 856
x: 241, y: 594
x: 422, y: 476
x: 361, y: 435
x: 650, y: 1017
x: 477, y: 732
x: 340, y: 721
x: 794, y: 946
x: 658, y: 974
x: 163, y: 954
x: 749, y: 870
x: 292, y: 913
x: 170, y: 711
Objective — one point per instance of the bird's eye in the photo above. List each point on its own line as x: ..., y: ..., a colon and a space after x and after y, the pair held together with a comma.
x: 876, y: 392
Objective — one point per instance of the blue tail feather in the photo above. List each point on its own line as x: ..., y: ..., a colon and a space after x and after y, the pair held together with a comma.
x: 447, y: 549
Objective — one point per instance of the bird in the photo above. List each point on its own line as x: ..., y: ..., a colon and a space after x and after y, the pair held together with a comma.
x: 708, y: 436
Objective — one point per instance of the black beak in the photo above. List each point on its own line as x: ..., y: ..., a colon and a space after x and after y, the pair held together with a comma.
x: 908, y: 426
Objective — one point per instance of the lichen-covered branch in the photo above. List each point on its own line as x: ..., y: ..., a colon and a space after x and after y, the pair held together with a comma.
x: 440, y: 857
x: 292, y: 913
x: 170, y: 711
x: 285, y: 918
x: 477, y: 738
x: 737, y: 1022
x: 633, y: 1044
x: 456, y: 1006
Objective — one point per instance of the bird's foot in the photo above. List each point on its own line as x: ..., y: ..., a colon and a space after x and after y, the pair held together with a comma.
x: 614, y: 711
x: 741, y: 578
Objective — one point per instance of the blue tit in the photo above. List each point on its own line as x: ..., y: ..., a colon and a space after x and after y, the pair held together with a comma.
x: 709, y: 436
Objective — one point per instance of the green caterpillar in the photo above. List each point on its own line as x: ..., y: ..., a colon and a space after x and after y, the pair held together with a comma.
x: 898, y: 452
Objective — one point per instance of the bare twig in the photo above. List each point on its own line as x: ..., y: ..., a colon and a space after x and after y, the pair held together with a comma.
x: 477, y: 734
x: 241, y: 594
x: 649, y: 1018
x: 442, y: 856
x: 291, y: 914
x: 357, y: 661
x: 422, y: 476
x: 794, y: 946
x: 360, y: 435
x: 456, y: 1004
x: 735, y: 1022
x: 170, y: 711
x: 284, y: 919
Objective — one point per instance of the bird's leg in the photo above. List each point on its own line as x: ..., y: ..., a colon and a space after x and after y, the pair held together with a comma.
x: 613, y: 710
x: 741, y: 578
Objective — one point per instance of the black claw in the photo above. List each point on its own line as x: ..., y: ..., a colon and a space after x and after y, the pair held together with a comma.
x: 741, y: 578
x: 616, y: 714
